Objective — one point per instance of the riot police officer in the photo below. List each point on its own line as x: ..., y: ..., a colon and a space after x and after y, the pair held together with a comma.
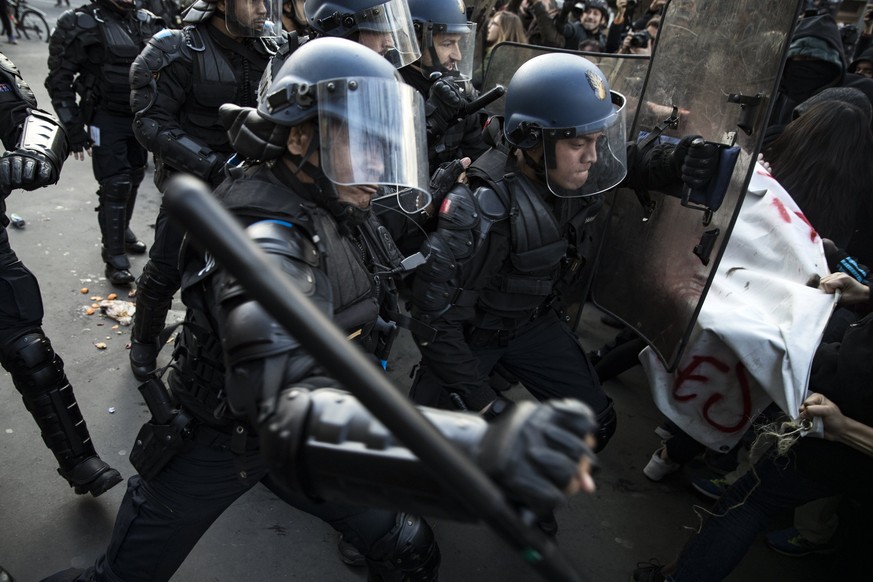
x: 36, y: 147
x: 249, y: 391
x: 90, y: 53
x: 443, y: 75
x: 178, y: 83
x: 507, y: 245
x: 380, y: 25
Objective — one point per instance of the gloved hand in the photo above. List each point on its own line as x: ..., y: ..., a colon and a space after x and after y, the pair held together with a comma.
x: 538, y: 452
x: 79, y: 140
x: 444, y: 106
x: 446, y: 177
x: 696, y: 161
x: 25, y: 169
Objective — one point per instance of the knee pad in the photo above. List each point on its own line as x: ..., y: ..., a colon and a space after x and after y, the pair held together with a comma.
x: 156, y: 286
x: 115, y: 189
x: 33, y: 364
x: 408, y: 553
x: 20, y: 300
x: 607, y: 422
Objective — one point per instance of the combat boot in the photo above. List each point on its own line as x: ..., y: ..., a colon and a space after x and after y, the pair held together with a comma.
x: 132, y: 244
x: 91, y: 475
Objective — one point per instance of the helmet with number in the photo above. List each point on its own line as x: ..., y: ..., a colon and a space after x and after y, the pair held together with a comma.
x: 383, y: 26
x: 370, y: 125
x: 561, y: 96
x: 446, y: 37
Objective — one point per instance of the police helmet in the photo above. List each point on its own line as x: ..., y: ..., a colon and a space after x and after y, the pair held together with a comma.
x: 559, y: 96
x: 386, y: 21
x: 363, y: 110
x: 433, y: 19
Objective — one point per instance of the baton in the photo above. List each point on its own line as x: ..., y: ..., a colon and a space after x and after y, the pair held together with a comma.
x: 484, y: 100
x: 189, y: 201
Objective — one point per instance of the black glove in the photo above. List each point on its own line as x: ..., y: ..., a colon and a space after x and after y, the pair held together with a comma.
x: 445, y: 105
x: 25, y: 169
x: 696, y: 161
x: 444, y: 179
x: 78, y: 137
x: 533, y: 451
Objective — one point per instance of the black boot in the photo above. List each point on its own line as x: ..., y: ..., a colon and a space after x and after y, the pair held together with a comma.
x: 132, y: 244
x: 38, y: 374
x: 154, y: 296
x: 112, y: 216
x: 117, y: 269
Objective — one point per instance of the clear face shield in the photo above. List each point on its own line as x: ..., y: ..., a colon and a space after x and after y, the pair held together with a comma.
x: 388, y: 30
x: 449, y: 50
x: 253, y: 18
x: 373, y: 140
x: 587, y: 160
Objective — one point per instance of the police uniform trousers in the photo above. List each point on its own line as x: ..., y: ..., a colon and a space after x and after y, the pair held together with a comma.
x: 161, y: 520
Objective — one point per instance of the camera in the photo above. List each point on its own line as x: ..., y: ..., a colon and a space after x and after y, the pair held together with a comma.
x: 578, y: 8
x: 640, y: 39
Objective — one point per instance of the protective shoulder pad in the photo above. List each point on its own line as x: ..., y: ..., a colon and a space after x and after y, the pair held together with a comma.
x: 296, y: 255
x: 459, y: 210
x: 10, y: 73
x: 492, y: 203
x: 161, y: 50
x: 84, y: 20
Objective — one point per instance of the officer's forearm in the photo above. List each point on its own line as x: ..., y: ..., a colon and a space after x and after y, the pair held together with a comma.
x: 330, y: 447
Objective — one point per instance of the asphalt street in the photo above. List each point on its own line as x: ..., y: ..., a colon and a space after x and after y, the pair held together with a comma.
x: 45, y: 527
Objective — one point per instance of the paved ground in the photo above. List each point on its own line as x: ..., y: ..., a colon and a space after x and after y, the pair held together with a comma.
x: 44, y: 527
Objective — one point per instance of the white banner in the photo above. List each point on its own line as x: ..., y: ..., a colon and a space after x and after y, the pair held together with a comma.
x: 758, y: 328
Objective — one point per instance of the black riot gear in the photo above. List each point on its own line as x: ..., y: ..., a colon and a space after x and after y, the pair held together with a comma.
x: 36, y: 147
x: 90, y: 54
x: 178, y: 83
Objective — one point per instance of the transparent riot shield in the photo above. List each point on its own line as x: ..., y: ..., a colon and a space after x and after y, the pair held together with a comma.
x: 626, y: 74
x: 718, y: 64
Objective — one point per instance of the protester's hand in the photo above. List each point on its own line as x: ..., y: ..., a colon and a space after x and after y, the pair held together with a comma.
x: 764, y: 162
x: 852, y: 292
x: 540, y: 453
x: 868, y: 21
x: 835, y: 422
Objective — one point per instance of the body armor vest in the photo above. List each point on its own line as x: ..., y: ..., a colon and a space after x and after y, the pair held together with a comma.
x: 222, y: 72
x: 198, y: 380
x: 529, y: 274
x: 122, y: 41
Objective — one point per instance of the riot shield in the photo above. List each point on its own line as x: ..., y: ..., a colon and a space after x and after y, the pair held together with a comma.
x: 626, y: 74
x: 718, y: 64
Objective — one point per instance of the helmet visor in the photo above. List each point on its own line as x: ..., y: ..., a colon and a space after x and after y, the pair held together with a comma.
x: 388, y: 30
x: 587, y: 160
x: 253, y: 18
x: 449, y: 49
x: 372, y: 138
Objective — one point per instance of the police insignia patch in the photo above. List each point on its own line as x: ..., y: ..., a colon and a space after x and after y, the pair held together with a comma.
x: 597, y: 84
